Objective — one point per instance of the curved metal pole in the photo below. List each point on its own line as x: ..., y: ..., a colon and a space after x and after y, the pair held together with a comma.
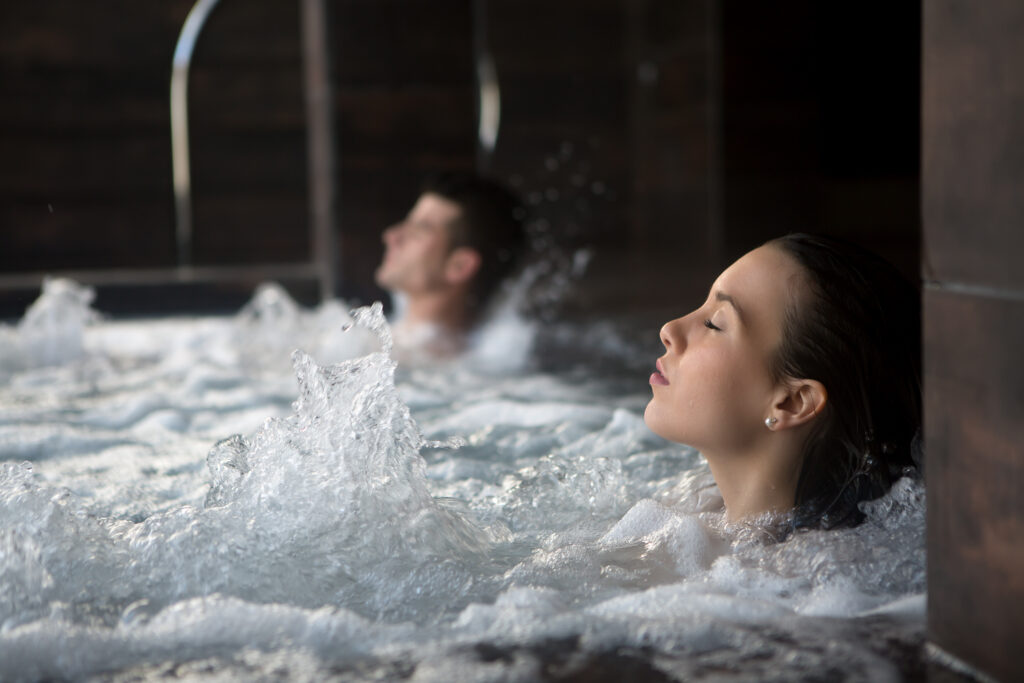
x: 316, y: 47
x: 179, y: 126
x: 488, y: 89
x: 490, y: 103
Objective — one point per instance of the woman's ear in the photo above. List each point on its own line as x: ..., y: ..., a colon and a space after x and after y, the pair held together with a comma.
x: 462, y: 264
x: 799, y: 402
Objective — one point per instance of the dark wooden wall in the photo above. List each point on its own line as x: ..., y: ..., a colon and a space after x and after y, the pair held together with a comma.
x: 973, y: 172
x: 85, y: 163
x: 85, y: 168
x: 248, y: 136
x: 820, y: 120
x: 709, y: 126
x: 670, y: 135
x: 605, y: 133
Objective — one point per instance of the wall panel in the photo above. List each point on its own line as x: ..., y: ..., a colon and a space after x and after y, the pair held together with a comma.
x: 973, y: 172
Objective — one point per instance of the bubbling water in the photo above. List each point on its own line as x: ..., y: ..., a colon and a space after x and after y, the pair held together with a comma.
x: 472, y: 520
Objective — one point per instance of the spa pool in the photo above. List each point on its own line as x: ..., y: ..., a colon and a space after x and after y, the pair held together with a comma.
x: 188, y: 498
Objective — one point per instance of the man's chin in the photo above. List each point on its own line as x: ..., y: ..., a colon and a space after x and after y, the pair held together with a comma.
x: 380, y: 276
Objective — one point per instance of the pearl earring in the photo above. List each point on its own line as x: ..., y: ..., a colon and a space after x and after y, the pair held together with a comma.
x: 769, y: 422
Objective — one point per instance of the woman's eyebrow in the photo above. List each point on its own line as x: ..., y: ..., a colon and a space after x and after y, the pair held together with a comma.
x: 722, y: 296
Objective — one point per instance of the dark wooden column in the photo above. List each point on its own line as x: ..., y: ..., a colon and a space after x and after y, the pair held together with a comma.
x: 973, y: 201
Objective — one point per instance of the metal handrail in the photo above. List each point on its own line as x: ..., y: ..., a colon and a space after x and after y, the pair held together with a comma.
x: 179, y: 126
x: 488, y: 108
x: 490, y: 103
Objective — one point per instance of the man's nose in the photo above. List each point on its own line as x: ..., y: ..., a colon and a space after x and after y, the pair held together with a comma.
x: 392, y: 235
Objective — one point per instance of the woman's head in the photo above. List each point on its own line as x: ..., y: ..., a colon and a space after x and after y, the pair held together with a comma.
x: 798, y: 378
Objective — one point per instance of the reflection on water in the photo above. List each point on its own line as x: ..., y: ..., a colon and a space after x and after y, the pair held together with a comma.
x: 189, y: 497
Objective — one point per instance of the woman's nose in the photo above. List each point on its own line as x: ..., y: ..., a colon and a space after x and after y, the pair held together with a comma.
x: 673, y: 335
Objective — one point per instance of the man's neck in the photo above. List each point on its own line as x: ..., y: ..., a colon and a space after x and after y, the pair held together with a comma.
x: 446, y: 311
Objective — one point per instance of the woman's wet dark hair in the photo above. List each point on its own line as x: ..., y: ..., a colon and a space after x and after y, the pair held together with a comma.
x: 857, y: 330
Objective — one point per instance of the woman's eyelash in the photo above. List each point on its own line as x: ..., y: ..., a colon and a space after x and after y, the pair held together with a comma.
x: 711, y: 326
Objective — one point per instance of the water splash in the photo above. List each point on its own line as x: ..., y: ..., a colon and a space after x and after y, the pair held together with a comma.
x: 271, y: 325
x: 52, y: 329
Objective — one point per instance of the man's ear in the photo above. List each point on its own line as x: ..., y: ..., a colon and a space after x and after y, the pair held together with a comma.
x: 462, y: 265
x: 798, y: 402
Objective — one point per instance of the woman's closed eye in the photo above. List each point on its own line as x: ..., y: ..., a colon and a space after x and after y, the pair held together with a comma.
x: 711, y: 326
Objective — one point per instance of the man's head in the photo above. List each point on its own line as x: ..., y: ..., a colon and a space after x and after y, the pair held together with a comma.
x: 462, y: 237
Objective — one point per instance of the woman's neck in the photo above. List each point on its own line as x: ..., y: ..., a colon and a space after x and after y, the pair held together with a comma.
x: 761, y: 481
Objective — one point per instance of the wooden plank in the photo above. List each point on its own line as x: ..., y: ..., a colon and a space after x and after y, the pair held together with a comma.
x: 75, y: 165
x: 86, y: 232
x: 975, y: 475
x: 402, y: 42
x: 84, y: 100
x: 573, y: 36
x: 252, y: 97
x: 408, y: 120
x: 112, y: 35
x: 253, y: 161
x: 249, y: 227
x: 973, y: 142
x: 251, y: 34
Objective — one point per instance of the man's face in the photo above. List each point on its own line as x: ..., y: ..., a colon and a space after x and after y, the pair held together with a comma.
x: 417, y: 248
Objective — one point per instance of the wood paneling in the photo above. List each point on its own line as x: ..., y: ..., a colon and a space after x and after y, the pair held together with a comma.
x: 820, y: 124
x: 61, y: 232
x: 398, y: 43
x: 973, y: 169
x: 610, y: 127
x: 85, y: 130
x: 975, y: 475
x: 973, y: 137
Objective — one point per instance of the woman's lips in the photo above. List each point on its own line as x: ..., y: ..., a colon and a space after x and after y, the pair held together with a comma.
x: 658, y: 377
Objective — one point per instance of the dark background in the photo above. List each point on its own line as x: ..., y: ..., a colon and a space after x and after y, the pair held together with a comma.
x: 668, y: 135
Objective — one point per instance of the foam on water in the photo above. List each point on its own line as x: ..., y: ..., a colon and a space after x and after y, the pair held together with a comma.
x: 174, y: 500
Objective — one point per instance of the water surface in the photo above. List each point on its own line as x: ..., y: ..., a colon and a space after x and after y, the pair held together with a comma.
x: 268, y: 495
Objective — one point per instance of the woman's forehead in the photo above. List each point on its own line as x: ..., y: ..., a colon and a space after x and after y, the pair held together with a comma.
x: 761, y: 283
x: 765, y: 269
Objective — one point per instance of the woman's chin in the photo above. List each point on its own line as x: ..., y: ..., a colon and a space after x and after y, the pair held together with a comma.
x: 657, y: 425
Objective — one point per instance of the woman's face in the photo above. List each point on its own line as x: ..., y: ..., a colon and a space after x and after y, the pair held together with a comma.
x: 712, y: 389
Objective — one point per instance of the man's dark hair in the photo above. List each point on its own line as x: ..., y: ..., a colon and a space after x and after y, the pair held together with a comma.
x: 858, y: 332
x: 490, y: 221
